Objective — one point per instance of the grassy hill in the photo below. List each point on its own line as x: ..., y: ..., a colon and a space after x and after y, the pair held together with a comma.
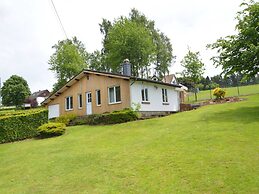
x: 213, y: 149
x: 231, y: 91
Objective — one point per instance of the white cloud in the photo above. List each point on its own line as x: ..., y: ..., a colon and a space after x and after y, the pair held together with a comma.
x: 29, y: 29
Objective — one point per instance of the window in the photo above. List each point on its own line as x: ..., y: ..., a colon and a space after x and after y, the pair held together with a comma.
x: 114, y: 94
x: 69, y: 103
x: 98, y: 97
x: 89, y: 97
x: 144, y: 94
x: 79, y: 101
x: 164, y: 95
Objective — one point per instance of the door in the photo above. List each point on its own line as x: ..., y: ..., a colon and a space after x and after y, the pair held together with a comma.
x: 88, y: 103
x: 53, y: 111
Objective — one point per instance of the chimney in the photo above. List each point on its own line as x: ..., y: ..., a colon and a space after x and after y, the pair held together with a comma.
x: 126, y: 67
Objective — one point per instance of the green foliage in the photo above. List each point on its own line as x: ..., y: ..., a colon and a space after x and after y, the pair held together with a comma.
x: 65, y: 118
x: 128, y: 39
x: 163, y: 54
x: 69, y: 58
x: 51, y: 129
x: 239, y: 53
x: 122, y: 116
x: 219, y: 93
x: 21, y: 125
x: 193, y: 67
x: 96, y: 61
x: 136, y: 106
x: 136, y: 38
x: 14, y: 91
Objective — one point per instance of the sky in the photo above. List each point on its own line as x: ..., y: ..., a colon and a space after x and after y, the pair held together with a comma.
x: 29, y: 29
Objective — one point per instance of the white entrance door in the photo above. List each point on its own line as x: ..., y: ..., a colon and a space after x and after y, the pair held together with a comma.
x: 88, y: 103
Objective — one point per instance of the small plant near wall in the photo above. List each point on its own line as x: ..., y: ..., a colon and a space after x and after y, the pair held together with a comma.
x: 219, y: 93
x: 66, y: 119
x: 136, y: 106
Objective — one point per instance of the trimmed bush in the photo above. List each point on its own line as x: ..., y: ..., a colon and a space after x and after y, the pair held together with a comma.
x: 219, y: 93
x: 123, y: 116
x: 65, y: 118
x: 51, y: 129
x: 21, y: 126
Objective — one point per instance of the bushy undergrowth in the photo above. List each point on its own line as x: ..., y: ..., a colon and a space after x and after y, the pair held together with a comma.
x: 21, y: 124
x: 122, y: 116
x: 65, y: 118
x: 51, y: 129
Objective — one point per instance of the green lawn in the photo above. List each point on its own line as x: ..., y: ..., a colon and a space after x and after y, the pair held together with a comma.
x: 213, y: 149
x: 232, y: 91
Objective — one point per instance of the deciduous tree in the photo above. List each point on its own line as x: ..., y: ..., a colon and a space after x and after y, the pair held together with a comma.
x: 160, y: 52
x: 193, y: 68
x: 128, y: 39
x: 240, y: 53
x: 69, y: 58
x: 14, y: 91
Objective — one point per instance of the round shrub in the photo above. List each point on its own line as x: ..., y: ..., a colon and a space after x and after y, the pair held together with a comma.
x: 219, y: 93
x: 51, y: 129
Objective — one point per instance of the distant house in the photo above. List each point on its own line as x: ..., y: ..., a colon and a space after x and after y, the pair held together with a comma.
x: 171, y: 79
x: 36, y: 99
x: 96, y: 92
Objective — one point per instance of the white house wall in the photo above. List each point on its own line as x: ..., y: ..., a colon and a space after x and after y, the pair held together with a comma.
x: 155, y: 97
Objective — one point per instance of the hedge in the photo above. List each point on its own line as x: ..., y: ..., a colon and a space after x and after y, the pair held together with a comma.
x: 21, y: 126
x: 115, y: 117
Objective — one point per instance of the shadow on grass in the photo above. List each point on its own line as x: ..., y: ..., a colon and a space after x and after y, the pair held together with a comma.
x: 242, y: 115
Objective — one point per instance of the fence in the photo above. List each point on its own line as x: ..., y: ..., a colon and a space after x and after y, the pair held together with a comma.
x: 231, y: 91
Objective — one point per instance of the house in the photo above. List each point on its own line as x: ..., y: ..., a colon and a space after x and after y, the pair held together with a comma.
x: 173, y: 80
x: 96, y: 92
x: 36, y: 99
x: 170, y: 79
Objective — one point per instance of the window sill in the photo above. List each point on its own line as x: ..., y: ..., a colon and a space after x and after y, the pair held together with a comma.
x: 145, y: 102
x: 80, y: 108
x: 99, y: 105
x: 69, y: 109
x: 111, y: 103
x: 166, y: 103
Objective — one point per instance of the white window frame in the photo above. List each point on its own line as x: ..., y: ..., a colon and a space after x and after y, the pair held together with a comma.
x: 146, y: 97
x: 78, y: 101
x: 164, y: 95
x: 96, y: 95
x: 70, y: 105
x: 114, y: 95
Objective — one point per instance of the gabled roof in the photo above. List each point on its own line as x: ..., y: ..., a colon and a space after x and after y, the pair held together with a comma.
x: 169, y: 78
x: 108, y: 74
x: 40, y: 93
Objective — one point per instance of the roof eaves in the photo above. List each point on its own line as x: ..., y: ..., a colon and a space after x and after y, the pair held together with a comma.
x: 157, y: 82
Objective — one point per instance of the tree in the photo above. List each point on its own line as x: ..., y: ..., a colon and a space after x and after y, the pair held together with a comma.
x: 160, y: 55
x: 96, y: 61
x: 240, y: 53
x: 128, y: 39
x: 69, y: 58
x: 163, y: 55
x: 14, y: 91
x: 193, y: 69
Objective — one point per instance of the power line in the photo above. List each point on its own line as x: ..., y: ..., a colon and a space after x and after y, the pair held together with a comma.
x: 59, y: 19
